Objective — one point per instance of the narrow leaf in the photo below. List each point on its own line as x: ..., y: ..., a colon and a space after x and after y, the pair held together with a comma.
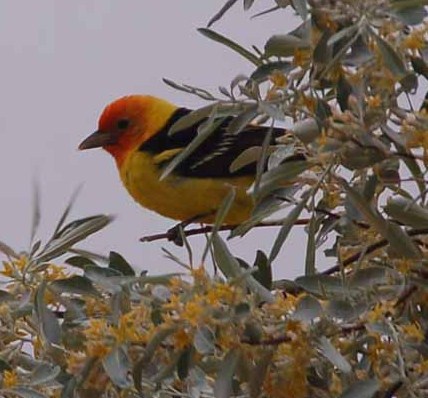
x: 36, y: 212
x: 204, y: 340
x: 44, y: 373
x: 48, y: 322
x: 192, y: 118
x: 333, y: 355
x: 223, y: 382
x: 71, y: 234
x: 391, y: 58
x: 242, y: 120
x: 229, y: 4
x: 398, y: 239
x: 204, y: 132
x: 117, y: 365
x: 281, y: 175
x: 362, y: 389
x: 284, y: 45
x: 231, y: 44
x: 230, y: 267
x: 407, y: 212
x: 7, y: 250
x: 310, y: 246
x: 287, y: 224
x: 76, y: 284
x: 118, y: 263
x: 301, y: 8
x: 222, y: 212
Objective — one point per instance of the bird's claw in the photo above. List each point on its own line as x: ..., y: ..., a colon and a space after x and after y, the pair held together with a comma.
x: 175, y: 234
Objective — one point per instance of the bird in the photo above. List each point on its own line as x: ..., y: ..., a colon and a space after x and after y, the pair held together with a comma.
x: 134, y: 129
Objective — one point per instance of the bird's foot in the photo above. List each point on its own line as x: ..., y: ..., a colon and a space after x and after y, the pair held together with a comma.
x: 176, y: 233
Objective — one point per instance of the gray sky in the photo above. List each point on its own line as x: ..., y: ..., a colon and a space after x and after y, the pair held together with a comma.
x: 62, y: 62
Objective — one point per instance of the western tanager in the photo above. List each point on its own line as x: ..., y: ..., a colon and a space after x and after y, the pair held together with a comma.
x: 134, y: 130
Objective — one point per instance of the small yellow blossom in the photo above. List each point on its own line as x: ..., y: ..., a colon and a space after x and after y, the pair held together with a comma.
x: 421, y: 367
x: 126, y: 330
x: 95, y: 307
x: 8, y: 269
x: 181, y: 339
x: 374, y: 101
x: 10, y: 379
x: 380, y: 311
x: 301, y: 57
x: 336, y: 387
x: 97, y: 349
x: 309, y: 102
x: 193, y: 312
x: 54, y: 272
x: 415, y: 40
x: 176, y: 284
x: 404, y: 265
x: 97, y: 329
x: 220, y: 292
x: 380, y: 351
x: 174, y: 303
x: 413, y: 331
x: 294, y: 326
x: 200, y: 276
x: 278, y: 79
x: 75, y: 362
x: 282, y: 305
x: 21, y: 263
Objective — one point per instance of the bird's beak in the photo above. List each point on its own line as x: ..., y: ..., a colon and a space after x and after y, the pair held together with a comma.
x: 98, y: 139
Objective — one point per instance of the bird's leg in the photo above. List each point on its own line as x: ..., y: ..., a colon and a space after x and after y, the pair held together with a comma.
x: 174, y: 235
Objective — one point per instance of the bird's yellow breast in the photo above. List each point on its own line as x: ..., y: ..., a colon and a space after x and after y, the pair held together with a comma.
x: 183, y: 198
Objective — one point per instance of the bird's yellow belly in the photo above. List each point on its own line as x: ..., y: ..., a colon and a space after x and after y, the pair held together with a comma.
x: 182, y: 198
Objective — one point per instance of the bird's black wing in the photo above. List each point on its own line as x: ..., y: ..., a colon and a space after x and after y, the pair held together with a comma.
x: 215, y: 155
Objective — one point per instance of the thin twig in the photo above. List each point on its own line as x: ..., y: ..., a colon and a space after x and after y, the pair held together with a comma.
x: 377, y: 245
x: 272, y: 341
x: 170, y: 235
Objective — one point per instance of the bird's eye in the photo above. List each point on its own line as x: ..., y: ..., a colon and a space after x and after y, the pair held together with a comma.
x: 122, y: 124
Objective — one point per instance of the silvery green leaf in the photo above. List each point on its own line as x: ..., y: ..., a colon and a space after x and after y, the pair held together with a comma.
x: 230, y: 267
x: 392, y: 59
x: 286, y: 227
x: 397, y: 237
x: 284, y: 45
x: 75, y: 284
x: 306, y: 130
x: 72, y: 233
x: 204, y: 340
x: 8, y: 251
x: 362, y: 389
x: 229, y: 4
x: 223, y: 382
x: 192, y: 118
x: 333, y: 355
x: 246, y: 157
x: 243, y: 119
x: 343, y: 33
x: 301, y: 8
x: 204, y: 131
x: 118, y: 366
x: 231, y: 44
x: 48, y: 322
x: 407, y: 212
x: 23, y: 392
x: 44, y: 373
x: 265, y: 70
x: 280, y: 176
x: 308, y: 309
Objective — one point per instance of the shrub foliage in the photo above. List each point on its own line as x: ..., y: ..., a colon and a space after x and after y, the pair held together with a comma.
x: 346, y: 83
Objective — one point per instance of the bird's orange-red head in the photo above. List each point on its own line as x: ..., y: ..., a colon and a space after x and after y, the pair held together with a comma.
x: 126, y: 123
